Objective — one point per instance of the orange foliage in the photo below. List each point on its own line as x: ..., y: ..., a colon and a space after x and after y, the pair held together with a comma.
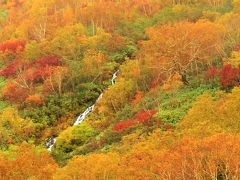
x: 26, y: 75
x: 14, y: 46
x: 214, y: 157
x: 28, y: 164
x: 181, y: 47
x: 35, y: 99
x: 138, y: 97
x: 116, y: 43
x: 14, y: 93
x: 147, y: 7
x: 96, y: 166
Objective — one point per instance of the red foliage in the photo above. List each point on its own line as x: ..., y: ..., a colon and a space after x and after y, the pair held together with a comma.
x: 26, y: 74
x: 50, y: 60
x: 31, y: 72
x: 141, y: 117
x: 124, y: 125
x: 10, y: 69
x: 13, y: 46
x: 212, y: 72
x: 41, y: 73
x: 14, y: 93
x: 43, y: 67
x: 236, y: 47
x: 144, y: 116
x: 228, y: 75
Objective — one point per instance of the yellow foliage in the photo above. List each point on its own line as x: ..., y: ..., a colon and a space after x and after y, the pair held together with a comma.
x: 234, y: 59
x: 116, y: 96
x: 131, y: 69
x: 95, y: 166
x: 18, y: 126
x: 159, y: 157
x: 208, y: 117
x: 27, y: 162
x: 181, y: 47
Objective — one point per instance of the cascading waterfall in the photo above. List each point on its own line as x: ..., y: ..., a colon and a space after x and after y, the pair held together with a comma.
x: 81, y: 117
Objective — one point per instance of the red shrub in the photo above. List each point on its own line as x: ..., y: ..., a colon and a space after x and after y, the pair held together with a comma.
x: 41, y: 73
x: 141, y: 117
x: 12, y: 68
x: 144, y: 116
x: 14, y: 93
x: 48, y: 61
x: 13, y: 46
x: 212, y: 72
x: 124, y: 125
x: 228, y: 75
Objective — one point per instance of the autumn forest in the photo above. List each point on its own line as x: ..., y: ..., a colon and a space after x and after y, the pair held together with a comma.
x: 119, y: 89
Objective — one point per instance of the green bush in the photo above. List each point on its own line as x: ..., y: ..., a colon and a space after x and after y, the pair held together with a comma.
x: 57, y: 106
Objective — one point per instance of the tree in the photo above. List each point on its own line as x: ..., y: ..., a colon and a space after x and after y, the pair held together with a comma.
x: 55, y: 78
x: 193, y: 159
x: 72, y: 136
x: 15, y: 93
x: 34, y: 99
x: 183, y: 47
x: 27, y: 162
x: 102, y: 166
x: 116, y: 96
x: 65, y: 42
x: 14, y: 128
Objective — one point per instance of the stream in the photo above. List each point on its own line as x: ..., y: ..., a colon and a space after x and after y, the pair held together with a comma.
x: 52, y: 140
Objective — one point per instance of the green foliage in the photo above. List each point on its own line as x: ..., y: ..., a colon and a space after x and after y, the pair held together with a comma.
x: 57, y: 106
x: 65, y: 42
x: 135, y: 30
x: 14, y: 129
x: 32, y: 51
x: 91, y: 43
x: 210, y: 115
x: 174, y: 106
x: 3, y: 14
x: 71, y: 139
x: 3, y: 104
x: 74, y: 136
x: 121, y: 56
x: 125, y: 113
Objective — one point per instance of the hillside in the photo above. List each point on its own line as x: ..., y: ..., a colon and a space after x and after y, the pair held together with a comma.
x: 127, y: 89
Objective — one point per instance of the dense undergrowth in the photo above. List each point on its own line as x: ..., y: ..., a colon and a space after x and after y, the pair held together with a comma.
x: 172, y: 114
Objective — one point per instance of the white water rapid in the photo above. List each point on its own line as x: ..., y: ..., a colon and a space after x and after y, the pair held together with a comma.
x: 81, y: 117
